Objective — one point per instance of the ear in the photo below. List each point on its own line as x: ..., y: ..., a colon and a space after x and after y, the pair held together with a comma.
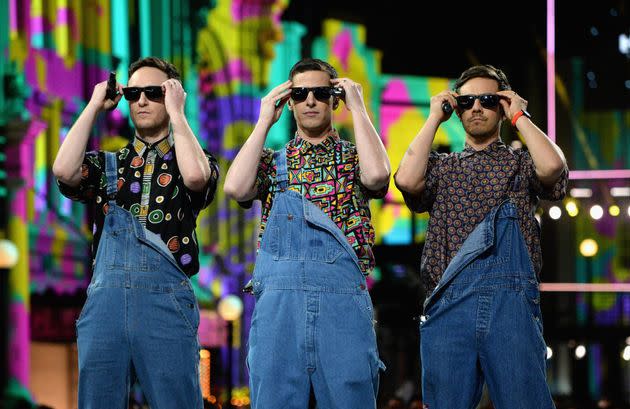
x: 335, y: 103
x: 290, y: 105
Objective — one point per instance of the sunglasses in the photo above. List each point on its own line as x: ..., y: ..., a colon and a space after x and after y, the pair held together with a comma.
x: 486, y: 100
x: 322, y: 94
x: 153, y: 93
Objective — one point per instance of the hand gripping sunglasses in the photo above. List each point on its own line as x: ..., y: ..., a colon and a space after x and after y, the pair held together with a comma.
x: 322, y: 94
x: 153, y: 93
x: 487, y: 100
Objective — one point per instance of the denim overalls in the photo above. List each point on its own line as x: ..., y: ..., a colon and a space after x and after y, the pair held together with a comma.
x: 313, y: 320
x: 140, y: 317
x: 483, y: 322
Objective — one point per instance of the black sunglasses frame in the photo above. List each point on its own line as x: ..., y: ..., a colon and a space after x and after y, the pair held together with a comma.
x: 299, y: 94
x: 152, y: 92
x: 487, y: 101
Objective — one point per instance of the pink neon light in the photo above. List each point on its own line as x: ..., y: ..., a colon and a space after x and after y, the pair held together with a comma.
x: 600, y: 174
x: 551, y: 70
x: 586, y: 287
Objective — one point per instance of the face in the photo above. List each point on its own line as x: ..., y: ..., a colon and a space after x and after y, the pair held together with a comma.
x: 480, y: 123
x: 148, y: 115
x: 313, y: 117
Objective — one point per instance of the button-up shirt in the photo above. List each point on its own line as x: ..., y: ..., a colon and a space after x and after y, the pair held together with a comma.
x: 328, y: 175
x: 461, y: 188
x: 151, y: 187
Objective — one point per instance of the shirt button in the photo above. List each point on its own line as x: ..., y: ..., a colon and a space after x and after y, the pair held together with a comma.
x: 290, y: 217
x: 362, y: 286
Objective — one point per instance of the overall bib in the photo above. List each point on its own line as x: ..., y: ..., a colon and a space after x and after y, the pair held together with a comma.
x: 140, y: 318
x: 483, y: 323
x: 312, y: 324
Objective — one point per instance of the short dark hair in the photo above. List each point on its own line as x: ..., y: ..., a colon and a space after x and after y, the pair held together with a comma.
x: 483, y: 71
x: 312, y: 64
x: 169, y: 69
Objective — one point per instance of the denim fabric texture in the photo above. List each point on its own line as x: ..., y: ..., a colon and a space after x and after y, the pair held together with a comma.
x: 140, y: 319
x: 313, y: 322
x: 482, y: 323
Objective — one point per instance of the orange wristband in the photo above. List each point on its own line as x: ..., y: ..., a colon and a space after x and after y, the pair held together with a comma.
x: 518, y: 115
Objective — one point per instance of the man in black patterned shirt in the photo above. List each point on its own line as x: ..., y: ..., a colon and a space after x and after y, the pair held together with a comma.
x: 141, y: 315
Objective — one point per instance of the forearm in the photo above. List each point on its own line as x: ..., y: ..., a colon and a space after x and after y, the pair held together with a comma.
x: 547, y: 156
x: 411, y: 172
x: 191, y: 159
x: 373, y: 160
x: 240, y: 180
x: 67, y: 165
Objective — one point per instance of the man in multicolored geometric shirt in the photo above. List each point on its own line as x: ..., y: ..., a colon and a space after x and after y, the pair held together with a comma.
x: 140, y: 318
x: 482, y: 256
x: 312, y: 328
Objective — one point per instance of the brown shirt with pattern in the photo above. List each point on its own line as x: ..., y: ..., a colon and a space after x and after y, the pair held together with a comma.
x: 462, y: 187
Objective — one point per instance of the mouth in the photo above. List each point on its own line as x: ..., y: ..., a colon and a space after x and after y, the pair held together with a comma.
x: 311, y: 113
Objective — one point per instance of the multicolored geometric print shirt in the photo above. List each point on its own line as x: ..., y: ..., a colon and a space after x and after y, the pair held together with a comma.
x: 328, y: 175
x: 151, y: 187
x: 462, y: 187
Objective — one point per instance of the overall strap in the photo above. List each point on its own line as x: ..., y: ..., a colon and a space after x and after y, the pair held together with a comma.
x: 282, y: 178
x: 110, y: 173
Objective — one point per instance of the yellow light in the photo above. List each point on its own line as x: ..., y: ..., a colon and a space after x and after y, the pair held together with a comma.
x: 572, y: 208
x: 588, y: 247
x: 614, y: 210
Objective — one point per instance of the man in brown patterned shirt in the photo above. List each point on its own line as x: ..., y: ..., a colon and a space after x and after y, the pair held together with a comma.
x: 461, y: 191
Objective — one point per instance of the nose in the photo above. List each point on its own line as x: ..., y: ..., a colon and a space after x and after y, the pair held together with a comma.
x: 310, y: 99
x: 477, y: 105
x: 143, y: 100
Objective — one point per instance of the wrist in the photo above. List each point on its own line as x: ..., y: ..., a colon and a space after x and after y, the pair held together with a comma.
x: 518, y: 115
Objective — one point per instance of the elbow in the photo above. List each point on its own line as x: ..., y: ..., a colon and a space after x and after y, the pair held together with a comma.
x: 414, y: 187
x: 63, y: 174
x: 238, y: 192
x: 376, y: 182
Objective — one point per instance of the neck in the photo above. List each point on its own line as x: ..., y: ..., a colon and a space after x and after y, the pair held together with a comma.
x: 480, y: 144
x: 315, y: 136
x: 152, y: 135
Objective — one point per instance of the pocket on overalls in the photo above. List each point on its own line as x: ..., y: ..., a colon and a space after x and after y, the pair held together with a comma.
x: 115, y: 245
x: 87, y: 305
x: 530, y: 294
x: 363, y: 302
x: 185, y: 303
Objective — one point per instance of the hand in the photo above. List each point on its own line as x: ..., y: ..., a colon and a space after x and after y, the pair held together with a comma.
x: 354, y: 93
x: 174, y: 97
x: 99, y: 100
x: 436, y: 105
x: 512, y: 103
x: 272, y: 104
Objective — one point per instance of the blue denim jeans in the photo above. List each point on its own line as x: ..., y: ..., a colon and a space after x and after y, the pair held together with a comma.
x: 140, y: 317
x: 313, y: 319
x: 482, y: 323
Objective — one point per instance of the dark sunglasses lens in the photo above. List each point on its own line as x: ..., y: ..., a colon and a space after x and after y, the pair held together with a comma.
x: 153, y: 93
x: 299, y: 94
x: 322, y: 93
x: 465, y: 101
x: 489, y: 101
x: 131, y: 94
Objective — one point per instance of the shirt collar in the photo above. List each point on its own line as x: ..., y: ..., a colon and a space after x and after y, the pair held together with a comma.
x: 327, y: 144
x: 162, y: 146
x: 495, y: 148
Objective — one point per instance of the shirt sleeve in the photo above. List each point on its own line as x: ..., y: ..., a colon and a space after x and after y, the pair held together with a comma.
x: 201, y: 200
x: 557, y: 191
x: 93, y: 179
x: 265, y: 175
x: 424, y: 201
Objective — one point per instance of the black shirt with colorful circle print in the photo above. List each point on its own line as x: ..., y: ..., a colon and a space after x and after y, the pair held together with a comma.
x: 151, y: 187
